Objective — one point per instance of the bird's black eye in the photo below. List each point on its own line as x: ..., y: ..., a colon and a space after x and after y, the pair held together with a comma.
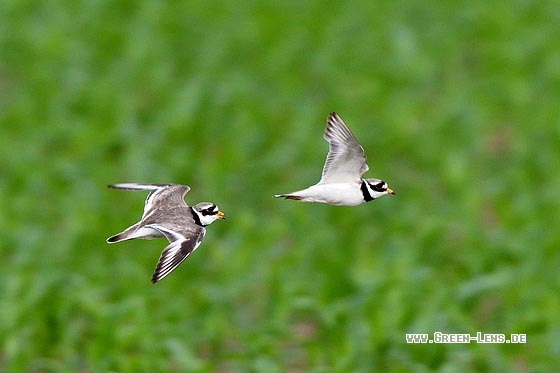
x: 210, y: 210
x: 379, y: 187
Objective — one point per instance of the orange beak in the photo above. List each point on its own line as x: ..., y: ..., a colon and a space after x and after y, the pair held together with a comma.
x: 221, y: 215
x: 390, y: 191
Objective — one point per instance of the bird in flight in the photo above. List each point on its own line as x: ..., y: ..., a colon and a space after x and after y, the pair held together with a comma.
x: 167, y: 215
x: 341, y: 183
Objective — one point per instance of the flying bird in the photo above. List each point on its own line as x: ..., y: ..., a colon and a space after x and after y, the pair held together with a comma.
x: 341, y: 183
x: 167, y: 215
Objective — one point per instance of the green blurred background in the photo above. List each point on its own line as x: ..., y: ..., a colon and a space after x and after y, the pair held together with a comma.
x: 457, y: 105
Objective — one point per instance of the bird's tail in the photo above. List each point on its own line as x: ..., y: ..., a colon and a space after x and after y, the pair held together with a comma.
x: 130, y: 233
x: 287, y: 196
x: 117, y: 238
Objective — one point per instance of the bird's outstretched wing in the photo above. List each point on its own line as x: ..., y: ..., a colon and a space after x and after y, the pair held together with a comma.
x: 346, y: 161
x: 162, y: 196
x: 183, y: 241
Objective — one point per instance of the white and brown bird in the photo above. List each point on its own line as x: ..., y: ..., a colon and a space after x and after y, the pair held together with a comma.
x: 342, y: 183
x: 167, y: 215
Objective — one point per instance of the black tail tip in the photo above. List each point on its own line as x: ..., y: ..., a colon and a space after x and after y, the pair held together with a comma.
x: 113, y: 239
x: 288, y: 196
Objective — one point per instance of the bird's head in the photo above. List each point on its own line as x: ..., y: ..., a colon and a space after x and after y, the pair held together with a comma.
x: 378, y: 188
x: 207, y: 213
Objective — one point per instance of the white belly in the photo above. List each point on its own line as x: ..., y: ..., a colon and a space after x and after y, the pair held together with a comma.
x: 343, y: 194
x: 146, y: 233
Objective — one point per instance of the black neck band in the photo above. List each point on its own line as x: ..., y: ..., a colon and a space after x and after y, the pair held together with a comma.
x: 365, y: 192
x: 196, y: 218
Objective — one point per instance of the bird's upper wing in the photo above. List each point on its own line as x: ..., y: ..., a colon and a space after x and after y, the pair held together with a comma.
x: 183, y: 241
x: 137, y: 186
x: 346, y: 161
x: 161, y: 195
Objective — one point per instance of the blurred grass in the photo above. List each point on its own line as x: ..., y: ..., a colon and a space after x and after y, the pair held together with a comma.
x: 455, y: 103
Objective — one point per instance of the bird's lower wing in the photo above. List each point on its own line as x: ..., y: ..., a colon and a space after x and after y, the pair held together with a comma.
x: 177, y: 251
